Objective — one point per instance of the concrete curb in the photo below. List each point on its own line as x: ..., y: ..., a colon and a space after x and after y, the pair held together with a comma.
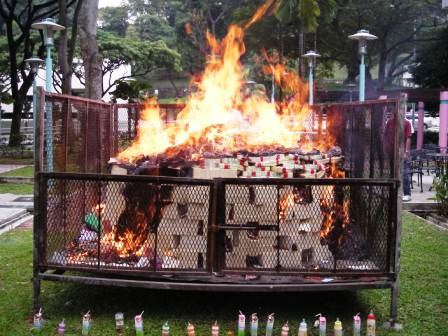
x: 10, y: 220
x: 16, y: 179
x: 17, y: 222
x: 419, y: 206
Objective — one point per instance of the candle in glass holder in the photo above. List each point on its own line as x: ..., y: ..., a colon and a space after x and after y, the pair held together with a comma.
x: 270, y: 325
x: 338, y: 328
x: 241, y: 324
x: 321, y: 323
x: 356, y: 325
x: 61, y: 328
x: 38, y: 320
x: 119, y: 322
x: 254, y: 325
x: 86, y: 319
x: 285, y: 329
x: 138, y: 322
x: 303, y: 328
x: 190, y: 330
x: 215, y: 329
x: 165, y: 329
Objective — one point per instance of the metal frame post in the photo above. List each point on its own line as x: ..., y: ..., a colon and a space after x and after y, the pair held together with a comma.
x: 421, y: 125
x: 443, y: 115
x: 362, y: 79
x: 399, y: 154
x: 37, y: 220
x: 48, y: 109
x: 311, y: 85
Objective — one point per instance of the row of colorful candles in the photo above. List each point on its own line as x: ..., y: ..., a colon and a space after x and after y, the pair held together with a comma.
x: 320, y: 324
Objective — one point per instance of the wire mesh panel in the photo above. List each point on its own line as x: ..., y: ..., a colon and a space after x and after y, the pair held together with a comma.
x: 153, y: 224
x: 83, y: 136
x: 308, y: 225
x: 143, y: 224
x: 365, y: 133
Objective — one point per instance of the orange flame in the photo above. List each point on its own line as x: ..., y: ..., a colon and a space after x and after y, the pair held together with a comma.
x: 332, y: 210
x: 261, y: 11
x: 286, y: 201
x: 220, y: 116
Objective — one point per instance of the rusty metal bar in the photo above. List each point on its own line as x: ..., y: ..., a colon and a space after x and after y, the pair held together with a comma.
x: 217, y: 287
x: 38, y: 219
x: 127, y: 178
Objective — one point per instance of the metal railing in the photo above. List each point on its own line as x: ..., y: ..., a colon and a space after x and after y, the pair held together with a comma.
x: 157, y: 225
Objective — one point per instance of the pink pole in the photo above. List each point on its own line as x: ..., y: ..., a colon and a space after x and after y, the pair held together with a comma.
x: 443, y: 127
x: 420, y: 125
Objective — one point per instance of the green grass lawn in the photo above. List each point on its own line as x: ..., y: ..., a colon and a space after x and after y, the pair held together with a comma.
x: 27, y: 171
x: 12, y: 160
x: 423, y: 305
x: 16, y: 188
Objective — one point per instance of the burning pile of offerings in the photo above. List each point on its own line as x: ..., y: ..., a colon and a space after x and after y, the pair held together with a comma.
x: 289, y: 164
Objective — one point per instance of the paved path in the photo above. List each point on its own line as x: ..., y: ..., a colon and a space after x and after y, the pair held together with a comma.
x: 13, y: 209
x: 8, y: 167
x: 422, y: 200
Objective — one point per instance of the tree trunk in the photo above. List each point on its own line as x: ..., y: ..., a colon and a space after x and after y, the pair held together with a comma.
x: 66, y: 47
x: 89, y: 50
x: 302, y: 63
x: 382, y: 66
x: 15, y: 136
x: 352, y: 72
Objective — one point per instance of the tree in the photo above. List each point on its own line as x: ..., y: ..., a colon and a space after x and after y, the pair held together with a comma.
x: 132, y: 91
x: 114, y: 19
x: 400, y: 30
x: 432, y: 63
x: 67, y: 43
x: 151, y: 27
x: 92, y: 60
x: 22, y: 44
x: 142, y: 56
x: 307, y: 13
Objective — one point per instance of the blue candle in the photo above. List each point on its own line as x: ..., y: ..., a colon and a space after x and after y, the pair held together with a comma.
x: 86, y: 324
x: 270, y: 325
x: 37, y: 320
x: 254, y: 325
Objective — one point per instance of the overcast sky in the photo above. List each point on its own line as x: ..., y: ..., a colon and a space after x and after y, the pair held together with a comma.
x: 110, y: 3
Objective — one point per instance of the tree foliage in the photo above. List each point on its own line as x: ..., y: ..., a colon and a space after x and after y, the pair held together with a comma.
x: 151, y: 27
x: 18, y: 16
x: 432, y: 63
x: 399, y: 25
x: 142, y: 56
x: 114, y: 19
x: 131, y: 90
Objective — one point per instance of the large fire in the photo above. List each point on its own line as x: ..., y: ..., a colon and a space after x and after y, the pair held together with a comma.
x: 220, y: 120
x: 221, y: 116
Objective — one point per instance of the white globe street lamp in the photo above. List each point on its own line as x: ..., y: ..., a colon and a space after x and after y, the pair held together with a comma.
x: 48, y: 27
x: 311, y: 56
x: 362, y: 36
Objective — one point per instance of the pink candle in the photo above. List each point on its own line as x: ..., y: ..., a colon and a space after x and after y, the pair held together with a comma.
x: 443, y: 127
x: 420, y: 125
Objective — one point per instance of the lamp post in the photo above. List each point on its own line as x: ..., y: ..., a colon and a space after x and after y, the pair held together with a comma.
x: 351, y: 86
x: 362, y: 36
x: 48, y: 27
x: 34, y: 62
x: 311, y: 56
